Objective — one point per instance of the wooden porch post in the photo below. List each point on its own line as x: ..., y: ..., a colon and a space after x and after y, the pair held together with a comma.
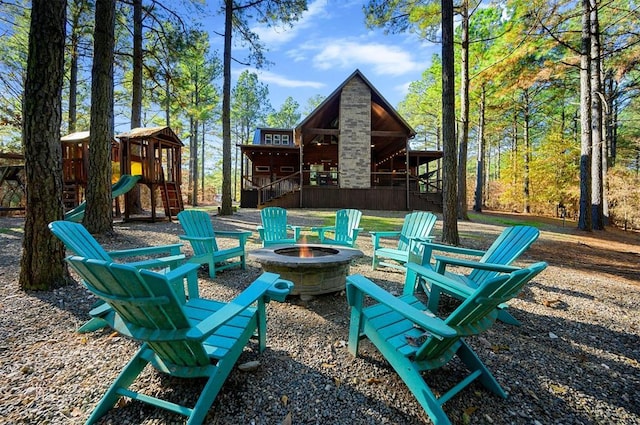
x: 406, y: 172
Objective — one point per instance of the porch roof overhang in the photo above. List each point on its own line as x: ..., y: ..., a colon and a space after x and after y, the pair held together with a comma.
x: 417, y: 158
x: 250, y: 149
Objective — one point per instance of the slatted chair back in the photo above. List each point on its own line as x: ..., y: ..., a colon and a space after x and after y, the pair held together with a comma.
x: 146, y: 302
x: 480, y: 311
x: 78, y: 240
x: 347, y: 226
x: 511, y: 243
x: 274, y: 223
x: 416, y: 224
x: 197, y: 223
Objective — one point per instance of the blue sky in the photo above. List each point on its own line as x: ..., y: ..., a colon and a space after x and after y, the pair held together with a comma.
x: 327, y: 45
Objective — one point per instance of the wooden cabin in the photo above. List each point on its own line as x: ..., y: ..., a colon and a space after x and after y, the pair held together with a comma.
x: 155, y: 153
x: 352, y: 151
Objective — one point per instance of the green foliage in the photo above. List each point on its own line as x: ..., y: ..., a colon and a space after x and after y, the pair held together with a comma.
x: 249, y: 106
x: 624, y: 198
x: 14, y: 27
x: 287, y: 116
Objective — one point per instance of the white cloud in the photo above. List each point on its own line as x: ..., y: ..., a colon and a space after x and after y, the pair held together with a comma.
x: 384, y: 59
x: 282, y: 81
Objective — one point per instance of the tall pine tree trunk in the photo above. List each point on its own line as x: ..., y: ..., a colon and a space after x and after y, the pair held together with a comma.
x: 584, y: 219
x: 136, y: 83
x: 463, y: 133
x: 597, y: 187
x: 477, y: 206
x: 98, y: 216
x: 449, y: 184
x: 73, y: 66
x: 132, y: 199
x: 527, y: 153
x: 226, y: 208
x: 42, y: 263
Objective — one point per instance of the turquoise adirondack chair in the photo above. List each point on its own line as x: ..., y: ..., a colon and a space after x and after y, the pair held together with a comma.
x: 78, y: 240
x: 345, y: 230
x: 274, y: 229
x: 199, y: 232
x: 416, y: 228
x: 511, y: 243
x: 197, y: 339
x: 414, y: 340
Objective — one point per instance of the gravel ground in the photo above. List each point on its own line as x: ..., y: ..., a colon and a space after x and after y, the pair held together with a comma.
x: 573, y: 361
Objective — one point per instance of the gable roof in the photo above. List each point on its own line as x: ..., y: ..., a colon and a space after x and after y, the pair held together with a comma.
x: 324, y: 112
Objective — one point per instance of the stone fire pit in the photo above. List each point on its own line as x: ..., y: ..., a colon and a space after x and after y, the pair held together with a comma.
x: 314, y: 269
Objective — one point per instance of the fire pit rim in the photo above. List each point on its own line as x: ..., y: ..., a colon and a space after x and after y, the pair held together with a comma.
x: 267, y: 255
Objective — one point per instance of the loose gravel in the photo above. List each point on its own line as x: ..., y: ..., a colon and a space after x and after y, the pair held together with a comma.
x: 574, y: 360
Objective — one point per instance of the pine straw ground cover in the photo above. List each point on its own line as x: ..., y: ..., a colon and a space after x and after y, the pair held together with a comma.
x: 573, y: 361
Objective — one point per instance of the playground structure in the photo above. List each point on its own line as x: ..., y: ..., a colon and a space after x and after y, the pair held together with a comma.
x: 12, y: 182
x: 152, y: 155
x: 155, y: 154
x: 122, y: 186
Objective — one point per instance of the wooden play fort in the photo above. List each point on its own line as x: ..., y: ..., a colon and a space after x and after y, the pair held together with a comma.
x: 153, y: 153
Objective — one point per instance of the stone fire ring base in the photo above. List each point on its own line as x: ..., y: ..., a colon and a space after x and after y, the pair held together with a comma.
x: 311, y: 276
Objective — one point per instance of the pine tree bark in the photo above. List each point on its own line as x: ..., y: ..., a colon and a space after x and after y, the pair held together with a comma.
x: 449, y: 184
x: 477, y: 206
x: 526, y: 191
x: 584, y: 219
x: 42, y: 264
x: 464, y: 113
x: 226, y: 208
x: 597, y: 187
x: 98, y: 216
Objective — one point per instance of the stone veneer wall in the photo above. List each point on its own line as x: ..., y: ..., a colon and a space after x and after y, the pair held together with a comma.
x: 354, y: 146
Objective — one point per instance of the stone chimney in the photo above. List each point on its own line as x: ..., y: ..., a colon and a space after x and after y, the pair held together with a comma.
x: 354, y: 146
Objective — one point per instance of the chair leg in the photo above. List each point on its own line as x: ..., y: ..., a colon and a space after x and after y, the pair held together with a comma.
x: 212, y: 269
x: 434, y: 298
x: 505, y: 317
x: 412, y: 377
x: 124, y: 380
x: 473, y: 362
x: 93, y: 324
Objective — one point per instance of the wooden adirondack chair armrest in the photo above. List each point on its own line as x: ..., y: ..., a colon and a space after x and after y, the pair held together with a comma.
x: 266, y: 285
x: 260, y: 230
x: 442, y: 262
x: 156, y: 263
x: 279, y: 290
x: 241, y: 235
x: 376, y: 236
x: 453, y: 249
x: 296, y: 231
x: 356, y: 232
x: 188, y: 271
x: 365, y: 286
x: 417, y: 273
x: 172, y: 249
x: 322, y: 230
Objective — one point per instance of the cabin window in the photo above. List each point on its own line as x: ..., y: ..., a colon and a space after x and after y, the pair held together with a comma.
x: 262, y: 168
x: 285, y: 139
x: 286, y: 168
x: 268, y: 139
x: 276, y: 139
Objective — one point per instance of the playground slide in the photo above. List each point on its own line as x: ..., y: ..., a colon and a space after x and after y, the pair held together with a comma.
x: 124, y: 184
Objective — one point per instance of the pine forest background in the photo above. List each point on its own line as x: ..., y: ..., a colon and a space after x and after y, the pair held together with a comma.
x: 520, y: 128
